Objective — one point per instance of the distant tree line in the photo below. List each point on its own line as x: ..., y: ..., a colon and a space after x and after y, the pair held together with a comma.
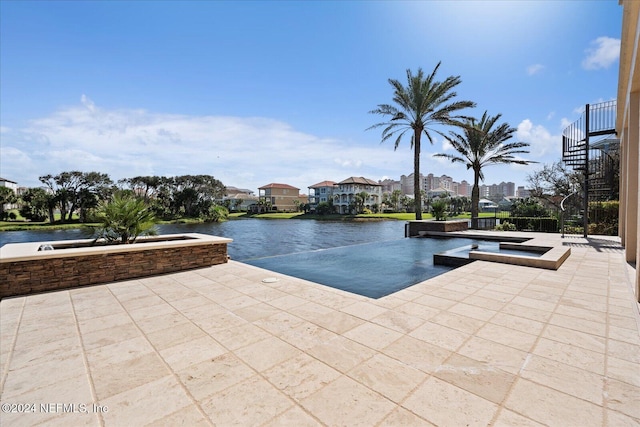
x: 79, y: 193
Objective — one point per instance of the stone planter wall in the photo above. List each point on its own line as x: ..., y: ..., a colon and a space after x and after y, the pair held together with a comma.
x: 420, y: 228
x: 69, y: 268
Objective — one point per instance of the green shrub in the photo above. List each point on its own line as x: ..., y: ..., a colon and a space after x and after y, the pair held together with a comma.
x: 124, y: 218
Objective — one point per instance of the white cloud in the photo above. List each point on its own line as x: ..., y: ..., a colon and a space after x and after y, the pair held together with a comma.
x: 603, y: 52
x: 534, y: 69
x: 541, y: 142
x: 245, y: 152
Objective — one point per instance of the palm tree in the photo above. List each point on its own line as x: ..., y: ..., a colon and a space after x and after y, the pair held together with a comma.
x: 423, y: 103
x: 480, y: 145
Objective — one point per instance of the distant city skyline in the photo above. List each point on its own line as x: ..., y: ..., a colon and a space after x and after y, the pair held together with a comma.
x: 259, y: 92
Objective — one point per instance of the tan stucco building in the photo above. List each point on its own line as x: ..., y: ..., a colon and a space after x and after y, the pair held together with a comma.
x: 628, y: 129
x: 282, y: 197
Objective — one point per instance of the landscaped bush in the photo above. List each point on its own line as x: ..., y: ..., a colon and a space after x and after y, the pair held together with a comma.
x: 603, y: 217
x: 506, y: 226
x: 545, y: 225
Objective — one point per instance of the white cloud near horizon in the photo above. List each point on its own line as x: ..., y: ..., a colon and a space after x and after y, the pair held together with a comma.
x: 534, y: 69
x: 602, y: 52
x: 243, y: 152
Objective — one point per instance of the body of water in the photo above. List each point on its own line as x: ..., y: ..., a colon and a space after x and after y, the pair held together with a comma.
x: 370, y: 258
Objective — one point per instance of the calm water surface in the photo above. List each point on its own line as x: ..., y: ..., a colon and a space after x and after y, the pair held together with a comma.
x: 368, y: 258
x: 254, y: 238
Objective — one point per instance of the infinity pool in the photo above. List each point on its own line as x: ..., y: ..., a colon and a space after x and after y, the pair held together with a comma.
x: 371, y: 269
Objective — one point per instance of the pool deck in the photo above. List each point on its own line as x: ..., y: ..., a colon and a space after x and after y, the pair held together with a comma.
x: 485, y: 344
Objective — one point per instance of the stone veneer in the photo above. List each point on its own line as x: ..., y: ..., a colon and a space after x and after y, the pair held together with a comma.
x: 21, y: 274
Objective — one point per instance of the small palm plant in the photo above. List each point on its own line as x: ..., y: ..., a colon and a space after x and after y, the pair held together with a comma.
x: 439, y: 209
x: 124, y: 218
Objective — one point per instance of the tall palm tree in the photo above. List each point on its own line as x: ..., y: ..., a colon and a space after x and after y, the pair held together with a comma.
x: 481, y: 145
x: 420, y: 105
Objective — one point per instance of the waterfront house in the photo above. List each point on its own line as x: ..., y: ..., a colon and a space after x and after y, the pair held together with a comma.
x: 321, y: 192
x: 345, y: 191
x: 278, y: 197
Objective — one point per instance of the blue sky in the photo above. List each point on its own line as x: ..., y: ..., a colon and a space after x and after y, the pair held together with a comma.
x: 260, y: 92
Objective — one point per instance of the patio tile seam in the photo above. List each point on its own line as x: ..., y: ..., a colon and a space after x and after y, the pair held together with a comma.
x: 5, y: 368
x: 94, y: 396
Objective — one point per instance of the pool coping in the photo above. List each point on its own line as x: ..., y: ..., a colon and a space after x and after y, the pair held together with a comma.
x: 551, y: 259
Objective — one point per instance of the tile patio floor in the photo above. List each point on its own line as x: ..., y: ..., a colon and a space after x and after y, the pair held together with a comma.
x: 485, y: 344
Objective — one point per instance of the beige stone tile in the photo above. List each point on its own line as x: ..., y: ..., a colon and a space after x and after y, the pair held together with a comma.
x: 126, y: 375
x: 439, y: 335
x: 493, y: 354
x: 615, y: 319
x: 175, y: 335
x: 213, y: 375
x: 306, y: 335
x: 566, y: 378
x: 435, y: 302
x: 473, y: 311
x: 526, y: 312
x: 622, y: 334
x: 192, y: 302
x: 187, y: 353
x: 93, y: 311
x: 417, y: 310
x: 31, y: 353
x: 346, y: 402
x: 219, y: 322
x: 118, y: 352
x: 392, y: 379
x: 105, y: 322
x: 624, y: 350
x: 570, y: 355
x: 476, y: 377
x: 582, y: 313
x: 294, y: 417
x: 146, y: 403
x: 288, y: 301
x: 623, y: 370
x: 577, y: 324
x: 507, y: 336
x: 68, y: 390
x: 251, y: 402
x: 189, y: 416
x: 53, y: 414
x: 623, y: 397
x: 19, y: 381
x: 151, y: 324
x: 509, y: 418
x: 240, y: 336
x: 518, y: 323
x: 542, y: 405
x: 152, y: 311
x: 372, y: 335
x: 576, y: 338
x: 113, y: 335
x: 399, y: 322
x: 364, y: 310
x: 301, y: 376
x: 535, y: 304
x: 341, y: 353
x: 484, y: 302
x: 266, y: 353
x: 142, y: 302
x: 279, y: 323
x: 256, y: 311
x: 418, y: 354
x: 444, y: 404
x: 617, y: 419
x: 402, y: 417
x: 458, y: 322
x: 330, y: 319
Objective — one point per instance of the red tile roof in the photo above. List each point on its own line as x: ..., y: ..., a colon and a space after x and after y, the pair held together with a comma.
x: 276, y: 185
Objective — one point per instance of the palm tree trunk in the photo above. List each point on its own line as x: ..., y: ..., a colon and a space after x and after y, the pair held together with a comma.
x: 416, y: 174
x: 475, y: 199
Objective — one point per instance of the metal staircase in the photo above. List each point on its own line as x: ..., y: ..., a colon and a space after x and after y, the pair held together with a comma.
x: 589, y: 146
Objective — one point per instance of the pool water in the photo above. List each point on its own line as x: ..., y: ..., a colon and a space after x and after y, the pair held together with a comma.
x: 371, y: 269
